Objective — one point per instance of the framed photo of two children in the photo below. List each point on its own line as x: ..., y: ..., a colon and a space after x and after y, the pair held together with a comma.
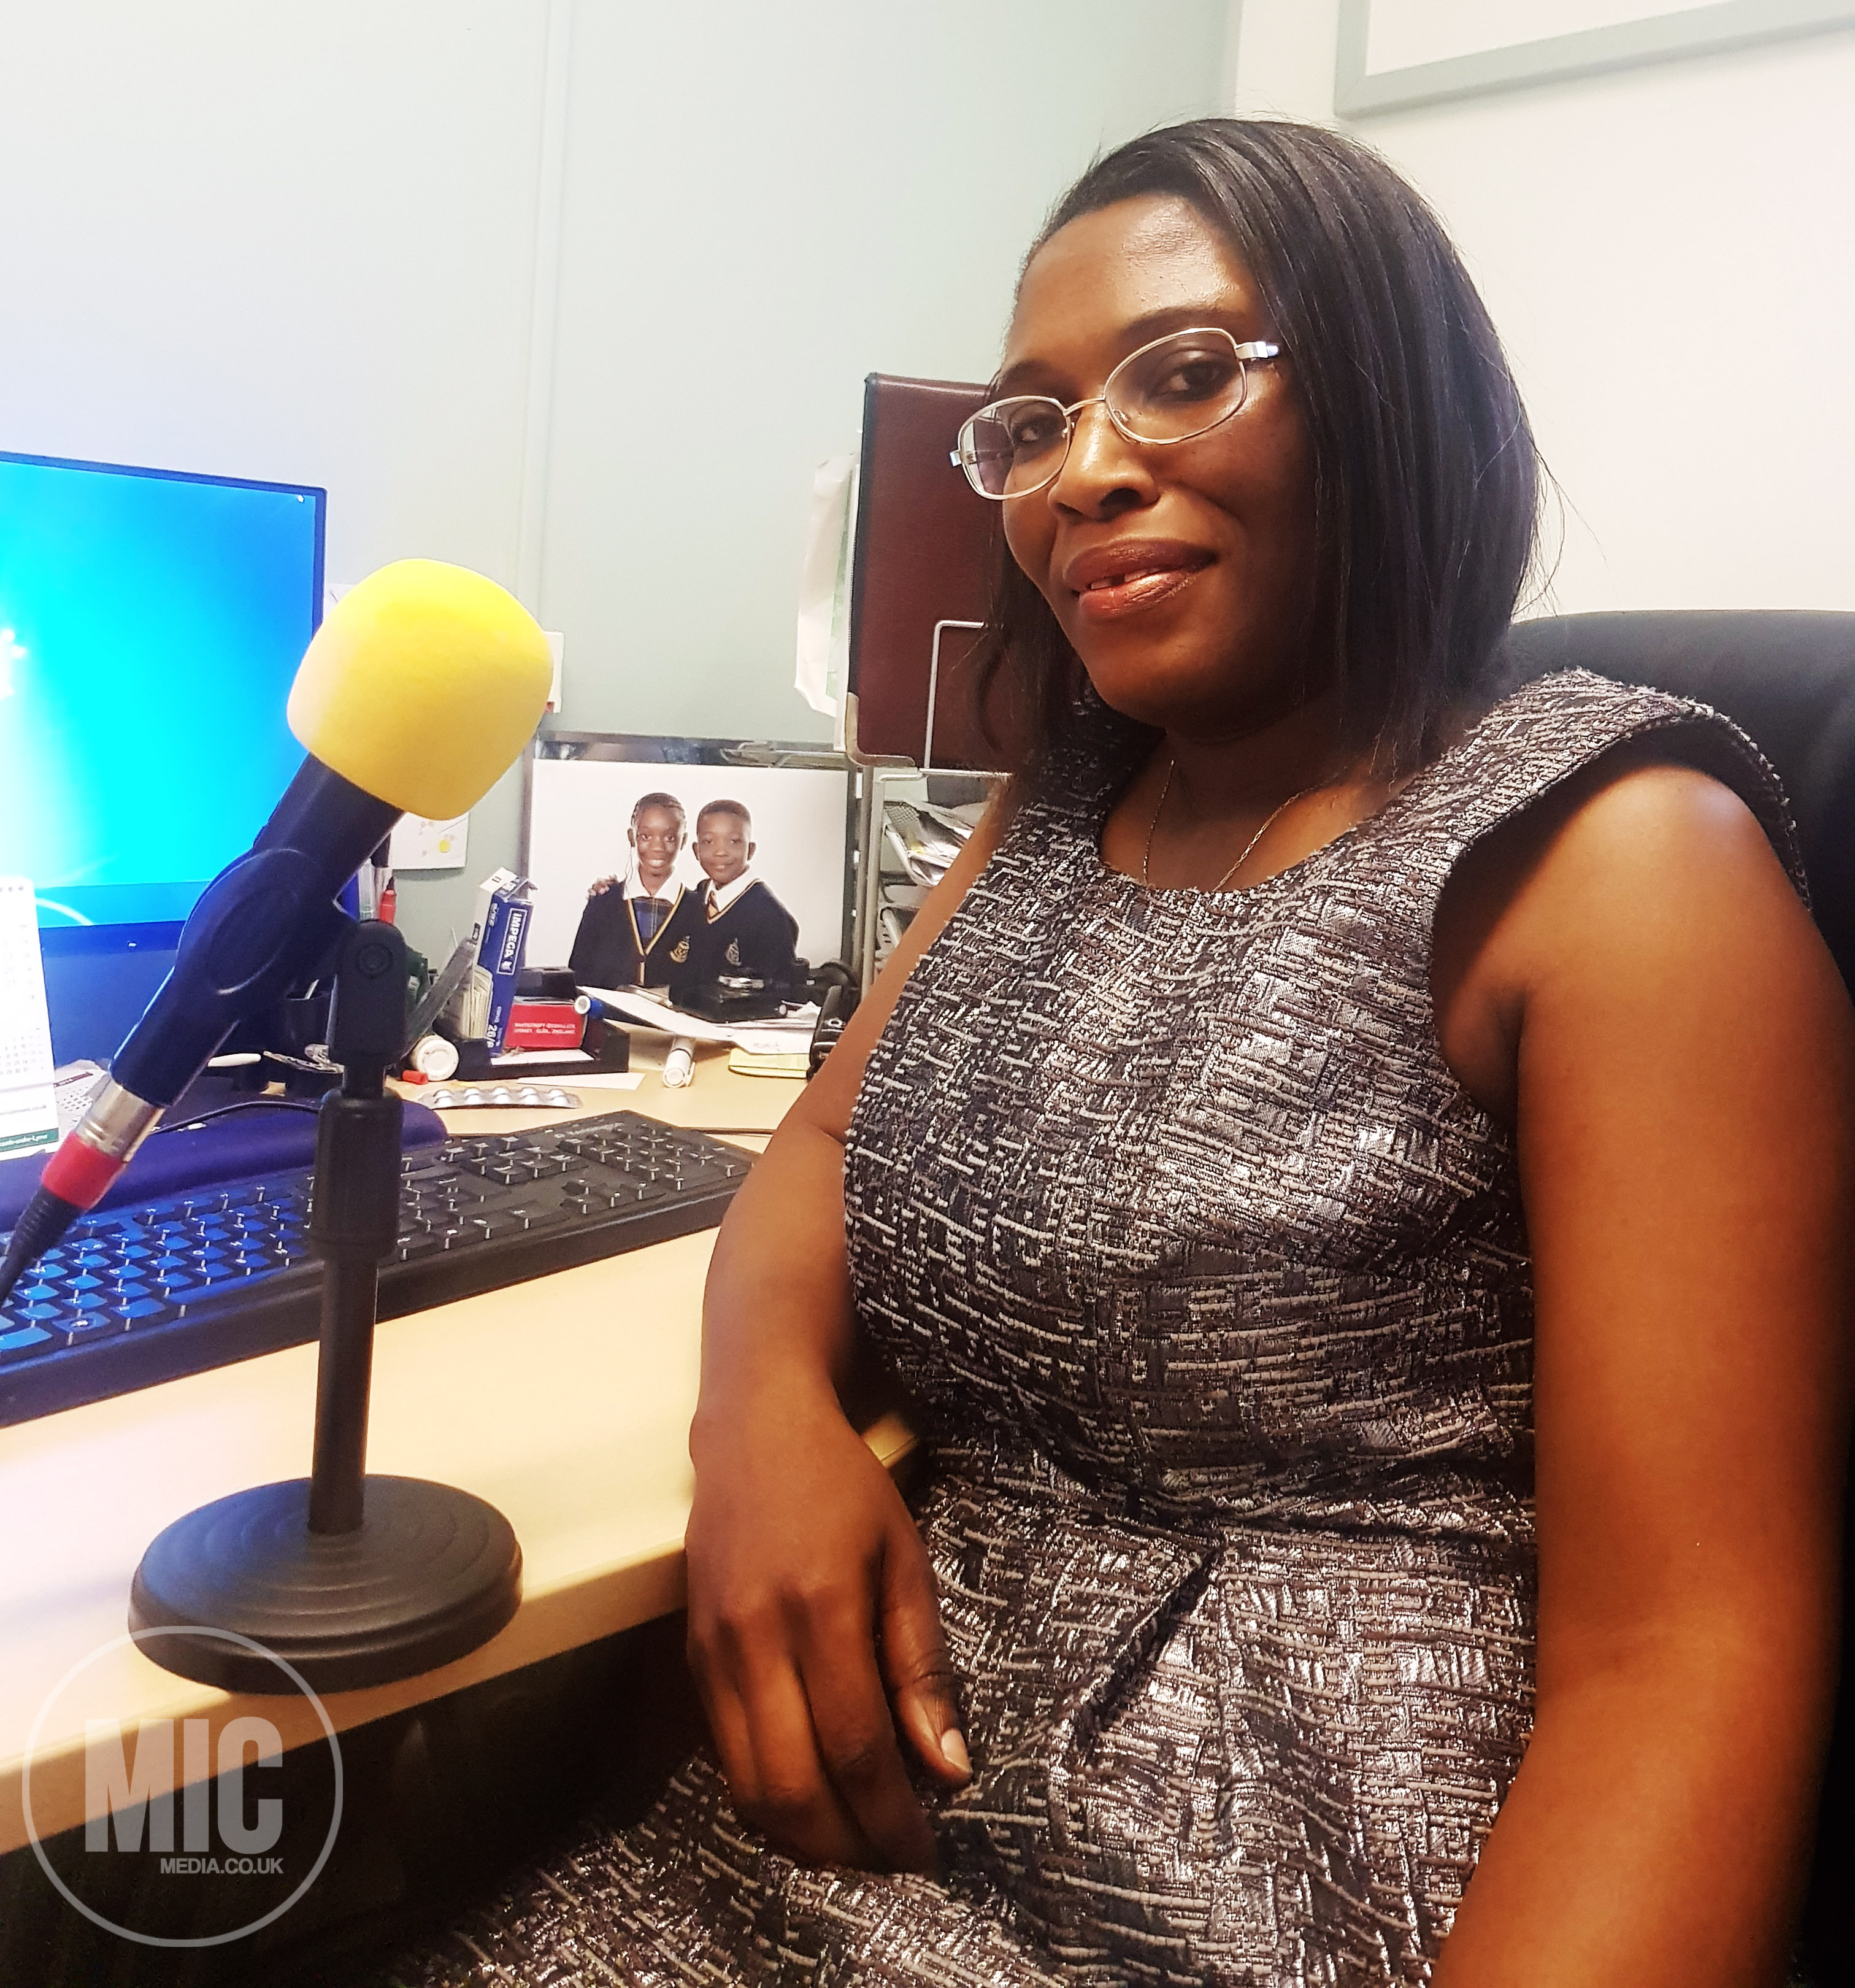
x: 674, y: 863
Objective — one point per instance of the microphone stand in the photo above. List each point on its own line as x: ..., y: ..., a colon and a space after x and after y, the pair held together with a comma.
x: 353, y: 1580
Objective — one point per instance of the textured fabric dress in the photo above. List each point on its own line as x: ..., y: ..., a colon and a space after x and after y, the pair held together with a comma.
x: 1212, y: 1284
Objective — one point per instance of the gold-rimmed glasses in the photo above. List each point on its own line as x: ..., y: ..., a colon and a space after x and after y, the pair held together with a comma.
x: 1178, y: 387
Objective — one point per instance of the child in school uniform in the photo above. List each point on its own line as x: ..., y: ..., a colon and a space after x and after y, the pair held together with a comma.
x: 642, y: 933
x: 741, y: 927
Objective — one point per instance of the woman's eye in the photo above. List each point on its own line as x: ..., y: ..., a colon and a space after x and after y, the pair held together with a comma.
x: 1192, y: 377
x: 1034, y: 428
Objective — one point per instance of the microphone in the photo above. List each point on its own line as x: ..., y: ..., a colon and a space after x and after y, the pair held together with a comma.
x: 421, y: 687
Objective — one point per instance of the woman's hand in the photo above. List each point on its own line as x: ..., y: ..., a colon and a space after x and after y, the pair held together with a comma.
x: 814, y: 1628
x: 814, y: 1631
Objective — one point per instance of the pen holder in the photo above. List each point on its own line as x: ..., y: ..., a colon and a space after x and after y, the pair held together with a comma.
x: 353, y: 1579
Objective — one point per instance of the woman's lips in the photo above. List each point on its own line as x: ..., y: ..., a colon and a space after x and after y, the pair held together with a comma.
x: 1121, y: 594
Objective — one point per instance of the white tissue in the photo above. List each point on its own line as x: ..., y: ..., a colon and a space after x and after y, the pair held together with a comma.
x: 824, y: 590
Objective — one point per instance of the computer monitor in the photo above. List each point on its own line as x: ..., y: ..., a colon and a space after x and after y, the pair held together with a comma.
x: 150, y: 623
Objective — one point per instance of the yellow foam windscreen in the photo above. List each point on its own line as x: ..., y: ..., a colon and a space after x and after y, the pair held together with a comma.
x: 422, y: 685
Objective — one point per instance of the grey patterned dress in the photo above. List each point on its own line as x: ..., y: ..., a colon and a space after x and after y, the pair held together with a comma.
x: 1212, y: 1284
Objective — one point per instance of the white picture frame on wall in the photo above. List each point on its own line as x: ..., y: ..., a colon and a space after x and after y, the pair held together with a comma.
x: 1396, y: 55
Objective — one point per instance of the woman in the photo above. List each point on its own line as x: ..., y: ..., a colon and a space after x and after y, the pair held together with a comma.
x: 1359, y: 1195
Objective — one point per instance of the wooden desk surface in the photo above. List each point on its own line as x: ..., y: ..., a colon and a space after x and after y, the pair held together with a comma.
x: 565, y: 1401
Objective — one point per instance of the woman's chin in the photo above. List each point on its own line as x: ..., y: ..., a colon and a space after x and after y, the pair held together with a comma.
x: 1157, y: 686
x: 1205, y: 700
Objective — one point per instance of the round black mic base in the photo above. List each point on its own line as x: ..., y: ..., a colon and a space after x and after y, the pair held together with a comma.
x: 431, y: 1573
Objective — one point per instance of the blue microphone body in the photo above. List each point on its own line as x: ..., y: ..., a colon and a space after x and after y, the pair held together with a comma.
x: 259, y: 925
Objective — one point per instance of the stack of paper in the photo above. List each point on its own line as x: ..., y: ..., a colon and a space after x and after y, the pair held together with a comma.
x: 645, y: 1007
x: 29, y: 1107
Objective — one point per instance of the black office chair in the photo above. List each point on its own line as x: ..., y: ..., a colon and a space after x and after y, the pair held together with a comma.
x: 1788, y: 679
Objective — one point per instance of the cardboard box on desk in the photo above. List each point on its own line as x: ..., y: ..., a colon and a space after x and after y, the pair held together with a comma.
x: 543, y: 1024
x: 505, y: 937
x: 480, y: 1011
x: 604, y: 1047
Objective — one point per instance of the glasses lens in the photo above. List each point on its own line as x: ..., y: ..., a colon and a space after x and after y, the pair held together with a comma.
x: 1015, y: 446
x: 1179, y: 387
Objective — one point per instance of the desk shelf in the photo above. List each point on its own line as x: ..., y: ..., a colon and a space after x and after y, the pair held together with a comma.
x: 889, y: 889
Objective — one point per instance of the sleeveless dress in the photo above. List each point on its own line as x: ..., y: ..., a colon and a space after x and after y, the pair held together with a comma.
x: 1211, y: 1284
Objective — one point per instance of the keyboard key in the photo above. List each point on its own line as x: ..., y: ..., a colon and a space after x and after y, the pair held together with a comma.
x: 23, y: 1340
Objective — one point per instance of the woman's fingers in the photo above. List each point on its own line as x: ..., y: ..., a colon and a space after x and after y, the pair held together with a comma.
x: 802, y: 1557
x: 727, y: 1726
x: 916, y: 1667
x: 762, y: 1725
x: 797, y: 1805
x: 855, y: 1733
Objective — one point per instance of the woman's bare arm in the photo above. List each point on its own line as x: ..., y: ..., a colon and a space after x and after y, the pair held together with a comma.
x: 813, y: 1622
x: 1632, y: 977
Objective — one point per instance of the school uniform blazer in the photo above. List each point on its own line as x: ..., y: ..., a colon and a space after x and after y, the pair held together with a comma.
x: 756, y: 935
x: 608, y: 952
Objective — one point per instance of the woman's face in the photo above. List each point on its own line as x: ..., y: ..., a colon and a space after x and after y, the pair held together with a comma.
x: 1207, y: 546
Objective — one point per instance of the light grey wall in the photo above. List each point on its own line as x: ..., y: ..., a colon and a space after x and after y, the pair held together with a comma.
x: 762, y: 204
x: 279, y: 242
x: 284, y: 242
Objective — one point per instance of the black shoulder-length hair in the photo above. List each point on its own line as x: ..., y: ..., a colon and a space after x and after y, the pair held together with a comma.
x: 1426, y: 478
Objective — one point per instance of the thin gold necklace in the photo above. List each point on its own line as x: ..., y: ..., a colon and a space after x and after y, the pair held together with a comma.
x: 1146, y: 855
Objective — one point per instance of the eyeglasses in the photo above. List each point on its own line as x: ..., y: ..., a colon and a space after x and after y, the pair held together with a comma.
x: 1179, y: 386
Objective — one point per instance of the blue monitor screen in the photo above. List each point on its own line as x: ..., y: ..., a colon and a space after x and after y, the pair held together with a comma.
x: 150, y: 628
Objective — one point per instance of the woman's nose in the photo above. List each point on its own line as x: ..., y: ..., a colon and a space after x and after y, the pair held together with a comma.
x: 1103, y: 470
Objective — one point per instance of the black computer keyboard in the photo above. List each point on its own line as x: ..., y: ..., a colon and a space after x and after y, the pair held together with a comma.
x: 138, y: 1295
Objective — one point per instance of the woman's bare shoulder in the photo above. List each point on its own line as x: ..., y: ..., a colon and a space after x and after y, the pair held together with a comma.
x: 1640, y: 872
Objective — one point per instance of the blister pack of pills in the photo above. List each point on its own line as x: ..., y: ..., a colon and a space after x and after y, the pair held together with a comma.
x: 479, y: 1097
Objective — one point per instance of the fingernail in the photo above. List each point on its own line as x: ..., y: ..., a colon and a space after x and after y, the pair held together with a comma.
x: 953, y: 1747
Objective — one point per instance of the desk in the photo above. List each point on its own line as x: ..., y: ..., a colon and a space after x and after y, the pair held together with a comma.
x: 565, y: 1401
